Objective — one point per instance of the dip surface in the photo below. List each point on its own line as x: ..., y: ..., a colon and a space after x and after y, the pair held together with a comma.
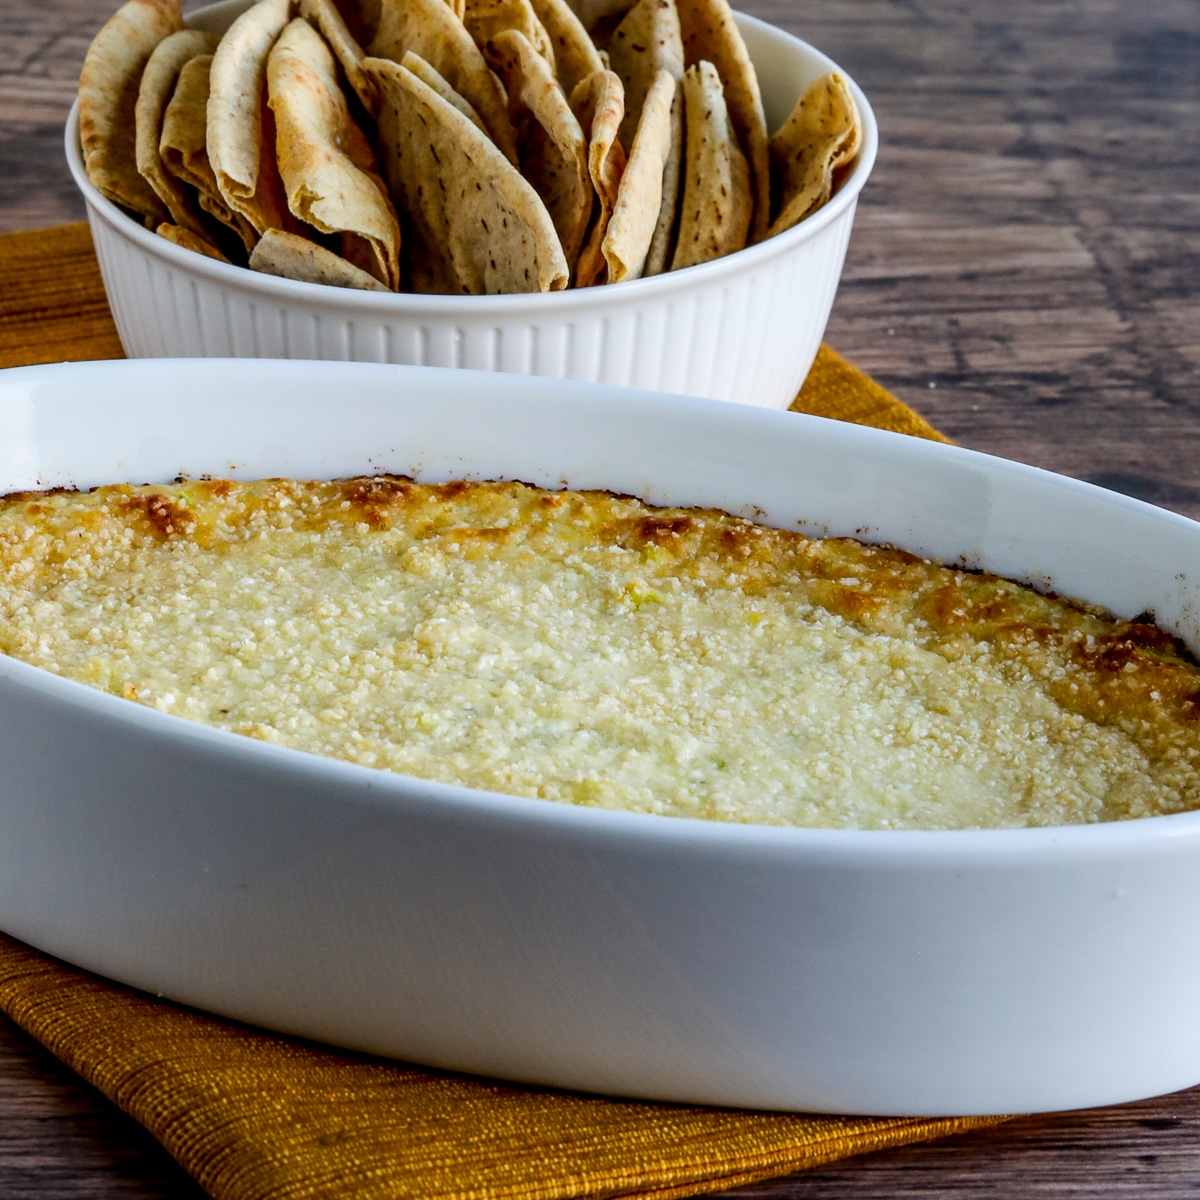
x: 581, y: 647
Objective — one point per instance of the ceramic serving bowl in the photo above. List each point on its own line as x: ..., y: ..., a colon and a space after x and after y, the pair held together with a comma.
x: 824, y: 970
x: 744, y: 328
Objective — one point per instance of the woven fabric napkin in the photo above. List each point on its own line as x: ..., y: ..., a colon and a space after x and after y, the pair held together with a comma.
x: 256, y: 1116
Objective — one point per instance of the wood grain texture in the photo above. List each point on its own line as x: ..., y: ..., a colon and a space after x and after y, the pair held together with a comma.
x: 1025, y: 272
x: 61, y: 1140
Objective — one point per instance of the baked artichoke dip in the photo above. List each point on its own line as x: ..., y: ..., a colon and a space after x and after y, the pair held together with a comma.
x: 587, y: 648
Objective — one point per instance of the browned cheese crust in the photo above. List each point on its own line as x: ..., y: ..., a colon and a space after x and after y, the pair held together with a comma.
x: 1122, y: 673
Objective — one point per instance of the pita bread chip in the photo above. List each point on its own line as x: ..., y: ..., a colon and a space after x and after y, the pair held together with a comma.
x: 182, y: 145
x: 157, y: 87
x: 241, y: 128
x: 710, y: 34
x: 291, y: 256
x: 428, y: 76
x: 717, y: 201
x: 823, y: 133
x: 182, y: 138
x: 190, y: 240
x: 594, y: 12
x: 326, y: 163
x: 220, y: 212
x: 485, y: 19
x: 647, y: 41
x: 599, y: 104
x: 483, y: 225
x: 430, y: 29
x: 662, y: 244
x: 324, y: 16
x: 575, y: 54
x: 600, y: 17
x: 554, y: 152
x: 639, y: 198
x: 108, y: 92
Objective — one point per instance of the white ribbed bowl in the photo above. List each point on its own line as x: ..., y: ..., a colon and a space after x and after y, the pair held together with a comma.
x: 744, y: 328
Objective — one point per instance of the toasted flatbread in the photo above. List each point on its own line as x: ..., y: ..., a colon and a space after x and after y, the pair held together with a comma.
x: 717, y: 200
x: 823, y: 133
x: 481, y: 227
x: 711, y: 34
x: 157, y: 87
x: 428, y: 76
x: 323, y: 15
x: 190, y: 240
x: 666, y: 229
x: 598, y: 104
x: 648, y: 40
x: 108, y: 92
x: 430, y: 28
x: 639, y: 198
x: 484, y: 19
x: 553, y: 150
x: 327, y: 165
x: 575, y: 54
x: 182, y: 145
x: 600, y: 17
x: 241, y: 128
x: 291, y: 256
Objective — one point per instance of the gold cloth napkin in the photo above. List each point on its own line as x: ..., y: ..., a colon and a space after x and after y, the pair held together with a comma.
x: 256, y: 1116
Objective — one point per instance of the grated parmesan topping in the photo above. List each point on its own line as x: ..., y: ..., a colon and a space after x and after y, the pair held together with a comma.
x: 585, y: 648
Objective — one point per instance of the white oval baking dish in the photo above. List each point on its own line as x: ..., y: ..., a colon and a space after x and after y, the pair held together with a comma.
x: 837, y: 971
x: 744, y: 328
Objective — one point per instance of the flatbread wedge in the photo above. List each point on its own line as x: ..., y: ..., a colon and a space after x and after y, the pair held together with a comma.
x: 600, y: 18
x: 553, y: 150
x: 711, y: 34
x: 183, y: 146
x: 430, y: 29
x: 108, y: 92
x: 291, y: 256
x: 327, y: 165
x: 324, y: 16
x: 598, y: 103
x: 484, y: 19
x: 666, y: 229
x: 428, y: 76
x: 575, y: 54
x: 189, y: 240
x: 483, y: 227
x: 717, y: 201
x: 639, y: 198
x: 823, y: 133
x: 157, y: 87
x: 241, y: 129
x: 648, y: 40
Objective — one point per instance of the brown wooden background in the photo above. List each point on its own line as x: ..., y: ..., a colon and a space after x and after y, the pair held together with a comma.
x: 1025, y: 271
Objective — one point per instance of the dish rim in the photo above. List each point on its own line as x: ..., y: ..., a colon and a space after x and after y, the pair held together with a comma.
x: 703, y: 275
x: 1078, y: 840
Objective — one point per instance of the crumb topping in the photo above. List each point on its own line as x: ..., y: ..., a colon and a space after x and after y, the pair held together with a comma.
x: 582, y: 647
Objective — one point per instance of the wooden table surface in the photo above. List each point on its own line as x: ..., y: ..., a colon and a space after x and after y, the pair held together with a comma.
x: 1025, y: 271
